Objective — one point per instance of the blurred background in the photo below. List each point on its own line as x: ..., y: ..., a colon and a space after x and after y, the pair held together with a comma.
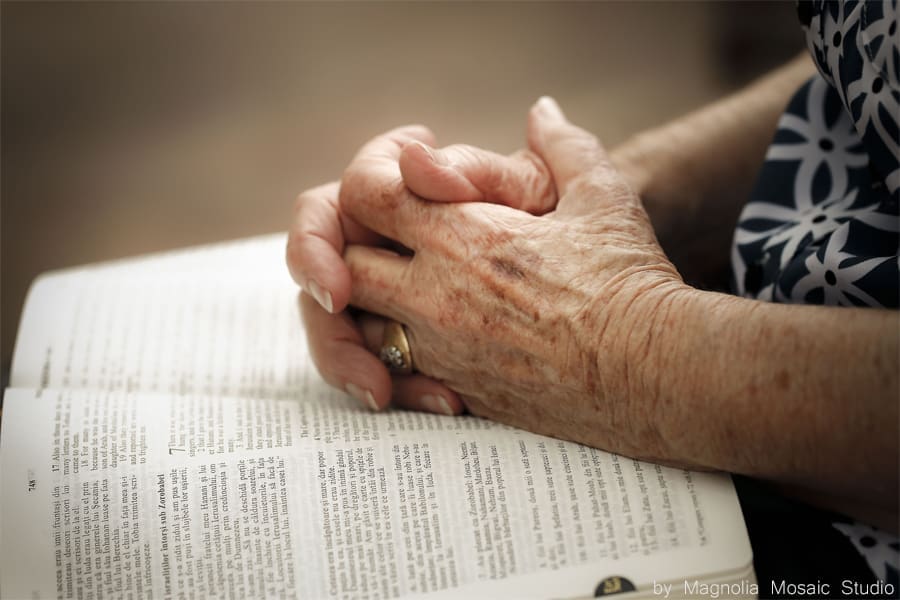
x: 128, y: 128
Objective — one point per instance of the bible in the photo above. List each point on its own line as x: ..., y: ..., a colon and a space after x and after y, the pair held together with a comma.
x: 166, y: 435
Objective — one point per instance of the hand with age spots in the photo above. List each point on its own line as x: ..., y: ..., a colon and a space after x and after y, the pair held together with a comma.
x: 576, y: 325
x: 320, y: 231
x: 528, y: 318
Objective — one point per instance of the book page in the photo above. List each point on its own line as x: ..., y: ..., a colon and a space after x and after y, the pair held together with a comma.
x: 218, y: 320
x: 111, y: 493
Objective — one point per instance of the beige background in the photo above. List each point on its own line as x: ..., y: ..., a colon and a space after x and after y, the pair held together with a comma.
x: 129, y: 128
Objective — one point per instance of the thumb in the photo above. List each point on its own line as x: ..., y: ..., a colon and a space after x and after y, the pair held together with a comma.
x: 569, y: 151
x: 462, y: 173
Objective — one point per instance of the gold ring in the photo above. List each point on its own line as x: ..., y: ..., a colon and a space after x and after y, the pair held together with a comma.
x: 394, y: 351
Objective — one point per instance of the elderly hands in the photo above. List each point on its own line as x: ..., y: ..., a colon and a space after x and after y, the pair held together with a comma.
x: 321, y: 231
x: 532, y: 321
x: 574, y: 324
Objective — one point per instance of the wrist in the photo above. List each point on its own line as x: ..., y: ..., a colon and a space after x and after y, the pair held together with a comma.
x: 678, y: 383
x: 670, y: 378
x: 655, y: 358
x: 701, y: 369
x: 631, y: 360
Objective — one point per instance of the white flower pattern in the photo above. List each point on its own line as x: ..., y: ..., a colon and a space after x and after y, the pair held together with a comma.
x: 837, y: 283
x: 832, y: 162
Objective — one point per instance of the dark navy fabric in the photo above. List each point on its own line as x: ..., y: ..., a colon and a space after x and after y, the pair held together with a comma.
x: 822, y: 224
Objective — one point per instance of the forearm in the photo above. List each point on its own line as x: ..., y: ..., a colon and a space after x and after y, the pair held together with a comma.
x: 802, y: 395
x: 695, y: 173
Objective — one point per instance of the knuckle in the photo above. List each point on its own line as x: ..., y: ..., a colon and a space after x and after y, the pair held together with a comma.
x: 540, y: 185
x: 357, y: 174
x: 362, y: 184
x: 391, y: 192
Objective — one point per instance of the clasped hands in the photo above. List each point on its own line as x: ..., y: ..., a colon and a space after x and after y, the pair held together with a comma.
x: 530, y: 285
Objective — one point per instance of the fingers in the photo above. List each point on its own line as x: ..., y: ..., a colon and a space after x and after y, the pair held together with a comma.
x: 373, y: 194
x: 316, y: 241
x: 382, y: 281
x: 569, y: 151
x: 383, y: 284
x: 462, y: 173
x: 418, y: 392
x: 413, y: 392
x: 347, y: 360
x: 338, y: 350
x: 389, y: 145
x: 320, y: 230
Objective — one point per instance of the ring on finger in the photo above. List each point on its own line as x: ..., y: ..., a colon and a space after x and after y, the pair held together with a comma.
x: 395, y: 353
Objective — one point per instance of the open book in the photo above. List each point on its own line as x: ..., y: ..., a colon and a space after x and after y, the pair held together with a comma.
x: 166, y: 435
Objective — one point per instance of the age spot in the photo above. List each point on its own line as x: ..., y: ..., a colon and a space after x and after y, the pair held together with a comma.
x: 507, y: 268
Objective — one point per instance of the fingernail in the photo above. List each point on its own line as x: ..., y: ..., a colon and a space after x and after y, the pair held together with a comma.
x: 436, y: 156
x: 364, y: 396
x: 322, y: 296
x: 436, y: 404
x: 548, y: 107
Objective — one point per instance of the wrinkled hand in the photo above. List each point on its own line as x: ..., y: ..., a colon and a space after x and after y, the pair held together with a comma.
x: 321, y: 230
x: 538, y: 322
